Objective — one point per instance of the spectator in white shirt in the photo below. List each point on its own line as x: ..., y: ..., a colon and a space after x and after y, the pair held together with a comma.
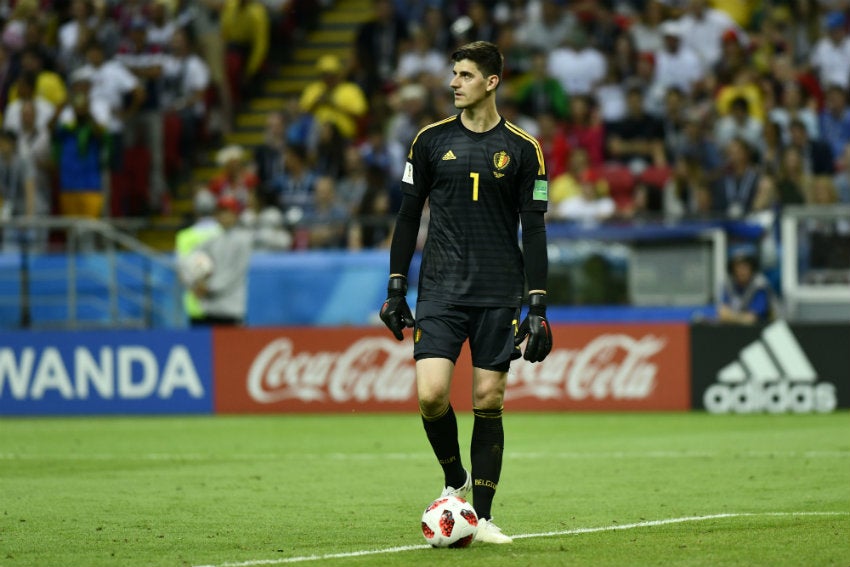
x: 186, y: 81
x: 676, y: 65
x: 703, y: 28
x: 578, y: 66
x: 44, y: 109
x: 831, y: 54
x: 739, y: 123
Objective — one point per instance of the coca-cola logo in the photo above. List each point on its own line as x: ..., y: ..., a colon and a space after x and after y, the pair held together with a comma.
x: 611, y: 366
x: 370, y: 369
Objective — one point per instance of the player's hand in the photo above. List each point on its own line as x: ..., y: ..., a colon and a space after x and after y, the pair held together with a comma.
x: 395, y: 312
x: 536, y: 327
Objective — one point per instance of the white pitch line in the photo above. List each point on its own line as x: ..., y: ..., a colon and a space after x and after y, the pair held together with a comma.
x: 517, y: 456
x: 575, y: 531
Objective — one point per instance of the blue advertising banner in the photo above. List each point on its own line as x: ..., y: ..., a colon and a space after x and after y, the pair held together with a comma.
x: 105, y: 372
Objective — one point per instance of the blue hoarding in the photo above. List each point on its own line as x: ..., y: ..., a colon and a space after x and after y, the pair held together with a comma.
x: 98, y: 372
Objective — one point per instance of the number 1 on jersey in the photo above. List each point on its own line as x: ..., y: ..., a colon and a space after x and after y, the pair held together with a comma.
x: 474, y: 176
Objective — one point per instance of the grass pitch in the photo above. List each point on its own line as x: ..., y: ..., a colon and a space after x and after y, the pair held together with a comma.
x: 576, y: 489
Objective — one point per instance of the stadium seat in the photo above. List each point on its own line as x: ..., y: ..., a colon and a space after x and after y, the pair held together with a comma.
x: 621, y: 184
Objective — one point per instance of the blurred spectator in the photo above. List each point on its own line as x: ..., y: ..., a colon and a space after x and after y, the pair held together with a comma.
x: 585, y: 129
x: 113, y: 83
x: 537, y: 91
x: 697, y: 143
x: 19, y: 196
x: 325, y: 216
x: 268, y: 156
x: 793, y: 181
x: 744, y: 85
x: 204, y: 227
x: 245, y: 33
x: 735, y: 57
x: 703, y: 28
x: 387, y: 154
x: 145, y: 128
x: 204, y: 17
x: 747, y: 297
x: 733, y: 193
x: 638, y: 139
x: 292, y: 190
x: 589, y: 206
x: 161, y: 24
x: 420, y: 62
x: 517, y: 55
x: 223, y: 293
x: 611, y: 94
x: 186, y: 80
x: 411, y: 114
x: 553, y: 143
x: 553, y: 26
x: 434, y: 24
x: 236, y: 177
x: 577, y: 65
x: 683, y: 194
x: 817, y: 155
x: 676, y: 64
x: 477, y: 24
x: 327, y: 154
x: 830, y: 56
x: 566, y: 184
x: 334, y: 99
x: 794, y: 104
x: 377, y: 46
x: 739, y: 123
x: 834, y: 121
x: 645, y: 31
x: 47, y: 84
x: 82, y: 146
x: 44, y: 109
x: 373, y: 222
x: 674, y: 120
x: 352, y: 186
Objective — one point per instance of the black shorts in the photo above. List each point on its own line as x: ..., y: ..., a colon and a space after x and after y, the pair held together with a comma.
x: 441, y: 329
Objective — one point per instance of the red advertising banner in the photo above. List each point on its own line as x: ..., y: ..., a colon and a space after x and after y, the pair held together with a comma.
x: 592, y: 367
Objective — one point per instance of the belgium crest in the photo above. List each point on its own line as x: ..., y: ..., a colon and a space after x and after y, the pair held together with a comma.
x: 501, y: 159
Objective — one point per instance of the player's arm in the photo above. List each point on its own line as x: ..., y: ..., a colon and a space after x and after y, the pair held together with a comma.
x: 534, y: 201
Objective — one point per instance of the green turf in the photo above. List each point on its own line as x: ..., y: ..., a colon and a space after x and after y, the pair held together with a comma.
x: 90, y: 492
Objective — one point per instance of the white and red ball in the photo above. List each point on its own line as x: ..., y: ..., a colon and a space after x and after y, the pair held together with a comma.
x: 449, y: 521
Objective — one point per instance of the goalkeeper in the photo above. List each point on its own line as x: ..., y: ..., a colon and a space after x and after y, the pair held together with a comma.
x: 481, y: 175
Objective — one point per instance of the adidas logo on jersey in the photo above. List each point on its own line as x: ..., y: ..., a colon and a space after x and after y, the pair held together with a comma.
x: 449, y: 155
x: 773, y: 374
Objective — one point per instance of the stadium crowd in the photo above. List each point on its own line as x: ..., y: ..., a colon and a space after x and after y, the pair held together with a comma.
x: 676, y: 109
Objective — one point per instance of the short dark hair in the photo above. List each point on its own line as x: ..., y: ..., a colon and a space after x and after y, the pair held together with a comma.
x: 484, y: 54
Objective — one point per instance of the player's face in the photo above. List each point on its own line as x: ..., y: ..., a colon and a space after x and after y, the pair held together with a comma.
x: 470, y: 86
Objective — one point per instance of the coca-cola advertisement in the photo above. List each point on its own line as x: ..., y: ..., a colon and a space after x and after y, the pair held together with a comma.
x: 591, y: 367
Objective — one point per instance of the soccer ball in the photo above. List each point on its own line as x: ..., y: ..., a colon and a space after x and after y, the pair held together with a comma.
x: 195, y: 267
x: 449, y: 522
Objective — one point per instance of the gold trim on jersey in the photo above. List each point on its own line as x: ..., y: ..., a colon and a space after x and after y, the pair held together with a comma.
x: 428, y: 127
x: 541, y: 170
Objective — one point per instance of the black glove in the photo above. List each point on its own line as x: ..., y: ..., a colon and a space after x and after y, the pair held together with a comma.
x: 395, y: 313
x: 536, y: 327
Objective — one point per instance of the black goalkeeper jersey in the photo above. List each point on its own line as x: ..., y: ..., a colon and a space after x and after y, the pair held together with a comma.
x: 477, y: 185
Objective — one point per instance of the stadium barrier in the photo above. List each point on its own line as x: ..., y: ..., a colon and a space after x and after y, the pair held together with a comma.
x: 593, y: 367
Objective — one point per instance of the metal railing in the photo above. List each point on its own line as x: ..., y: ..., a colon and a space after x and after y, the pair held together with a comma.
x: 73, y: 273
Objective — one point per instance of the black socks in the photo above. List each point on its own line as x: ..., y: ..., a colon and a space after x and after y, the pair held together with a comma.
x: 442, y: 433
x: 488, y: 441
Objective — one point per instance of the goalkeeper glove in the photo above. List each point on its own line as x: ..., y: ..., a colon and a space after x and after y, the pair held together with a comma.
x: 536, y: 327
x: 395, y: 313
